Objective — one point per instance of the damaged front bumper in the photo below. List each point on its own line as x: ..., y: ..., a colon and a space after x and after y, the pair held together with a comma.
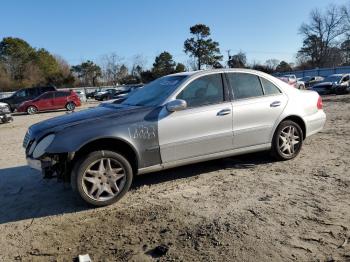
x: 4, y: 118
x: 34, y: 163
x: 54, y: 166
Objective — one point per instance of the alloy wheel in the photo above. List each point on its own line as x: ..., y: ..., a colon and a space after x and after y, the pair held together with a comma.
x: 103, y: 179
x: 289, y: 140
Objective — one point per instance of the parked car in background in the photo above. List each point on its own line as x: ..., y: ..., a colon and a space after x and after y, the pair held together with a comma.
x: 289, y: 79
x: 81, y: 94
x: 309, y: 81
x: 5, y: 113
x: 333, y: 84
x: 118, y: 98
x: 105, y: 94
x: 91, y: 95
x: 25, y: 94
x: 51, y: 101
x: 175, y: 120
x: 124, y: 93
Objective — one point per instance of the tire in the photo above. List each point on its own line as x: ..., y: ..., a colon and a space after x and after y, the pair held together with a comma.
x: 101, y: 186
x: 284, y: 146
x: 31, y: 110
x: 70, y: 106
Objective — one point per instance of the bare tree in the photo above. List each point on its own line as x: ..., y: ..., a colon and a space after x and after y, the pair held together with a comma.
x: 138, y: 64
x: 238, y: 60
x: 272, y: 63
x: 321, y: 34
x: 111, y: 64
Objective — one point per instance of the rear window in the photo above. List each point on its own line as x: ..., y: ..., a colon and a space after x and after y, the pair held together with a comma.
x: 270, y: 88
x: 245, y: 85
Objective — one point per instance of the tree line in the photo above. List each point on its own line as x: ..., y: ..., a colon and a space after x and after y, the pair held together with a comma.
x: 326, y: 43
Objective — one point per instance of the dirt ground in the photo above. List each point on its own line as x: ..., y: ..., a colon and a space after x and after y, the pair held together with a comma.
x: 246, y: 208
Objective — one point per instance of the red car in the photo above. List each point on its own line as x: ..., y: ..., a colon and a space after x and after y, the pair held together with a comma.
x: 50, y: 101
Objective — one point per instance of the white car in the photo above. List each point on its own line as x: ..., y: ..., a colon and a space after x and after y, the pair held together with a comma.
x: 5, y: 113
x: 81, y: 95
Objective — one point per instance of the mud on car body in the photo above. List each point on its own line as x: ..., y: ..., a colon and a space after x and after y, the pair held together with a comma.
x: 175, y: 120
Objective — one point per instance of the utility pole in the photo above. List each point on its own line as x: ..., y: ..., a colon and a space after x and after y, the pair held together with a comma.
x: 228, y: 56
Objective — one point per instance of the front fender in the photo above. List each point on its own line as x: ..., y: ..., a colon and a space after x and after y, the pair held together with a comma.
x: 141, y: 137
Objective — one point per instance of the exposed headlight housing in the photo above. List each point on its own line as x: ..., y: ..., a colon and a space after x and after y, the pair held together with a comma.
x: 42, y: 145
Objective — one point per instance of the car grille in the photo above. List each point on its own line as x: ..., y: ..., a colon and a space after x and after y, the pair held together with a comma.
x: 26, y: 139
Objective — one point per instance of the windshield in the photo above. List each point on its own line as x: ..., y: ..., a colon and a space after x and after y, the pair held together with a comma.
x: 332, y: 79
x: 156, y: 92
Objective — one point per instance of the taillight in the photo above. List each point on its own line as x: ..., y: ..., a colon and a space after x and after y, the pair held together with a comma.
x: 319, y: 103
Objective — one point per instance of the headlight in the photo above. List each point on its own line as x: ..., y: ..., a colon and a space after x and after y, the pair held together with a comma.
x: 32, y: 147
x: 42, y: 145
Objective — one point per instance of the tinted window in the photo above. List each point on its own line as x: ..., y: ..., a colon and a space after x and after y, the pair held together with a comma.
x: 203, y: 91
x: 61, y: 94
x: 32, y: 92
x: 270, y: 89
x: 156, y: 92
x: 46, y: 89
x: 21, y: 93
x: 46, y: 96
x: 245, y: 85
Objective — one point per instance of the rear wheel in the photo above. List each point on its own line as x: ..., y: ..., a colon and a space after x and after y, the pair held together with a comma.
x: 287, y: 140
x: 70, y: 106
x: 31, y: 110
x: 102, y: 178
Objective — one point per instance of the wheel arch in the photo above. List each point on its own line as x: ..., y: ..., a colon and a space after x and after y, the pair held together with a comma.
x: 297, y: 119
x: 113, y: 144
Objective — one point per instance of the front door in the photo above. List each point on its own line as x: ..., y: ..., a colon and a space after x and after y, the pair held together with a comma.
x: 204, y: 127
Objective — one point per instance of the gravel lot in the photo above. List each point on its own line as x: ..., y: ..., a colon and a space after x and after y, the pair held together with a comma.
x: 246, y: 208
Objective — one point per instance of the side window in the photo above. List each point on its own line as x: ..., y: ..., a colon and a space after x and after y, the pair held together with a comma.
x: 270, y: 89
x: 245, y: 85
x: 46, y: 96
x: 46, y: 89
x: 32, y: 92
x: 345, y: 79
x: 21, y: 93
x: 205, y: 90
x: 61, y: 94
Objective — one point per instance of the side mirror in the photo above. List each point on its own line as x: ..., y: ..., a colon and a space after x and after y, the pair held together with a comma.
x: 176, y: 105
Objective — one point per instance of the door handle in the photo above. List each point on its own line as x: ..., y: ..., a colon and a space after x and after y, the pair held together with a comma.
x: 224, y: 112
x: 275, y: 104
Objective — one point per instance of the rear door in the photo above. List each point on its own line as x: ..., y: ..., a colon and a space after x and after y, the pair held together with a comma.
x: 256, y: 106
x: 45, y: 101
x: 203, y: 128
x: 60, y: 99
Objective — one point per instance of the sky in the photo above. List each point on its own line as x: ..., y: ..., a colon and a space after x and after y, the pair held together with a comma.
x: 87, y: 29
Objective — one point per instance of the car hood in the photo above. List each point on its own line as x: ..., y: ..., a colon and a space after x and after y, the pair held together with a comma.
x: 5, y: 99
x: 3, y: 104
x: 83, y: 117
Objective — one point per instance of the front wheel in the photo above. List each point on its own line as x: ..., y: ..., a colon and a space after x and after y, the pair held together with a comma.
x: 31, y: 110
x: 287, y: 140
x: 102, y: 177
